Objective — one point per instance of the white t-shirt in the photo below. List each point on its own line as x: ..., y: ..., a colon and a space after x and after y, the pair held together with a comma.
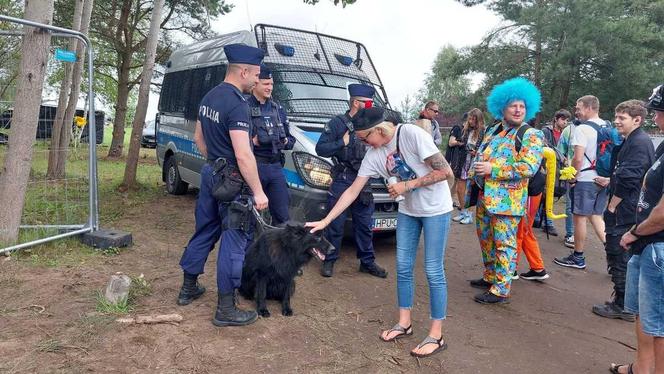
x: 415, y: 145
x: 586, y: 136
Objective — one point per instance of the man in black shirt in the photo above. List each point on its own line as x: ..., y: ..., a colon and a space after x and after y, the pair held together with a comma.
x: 644, y: 293
x: 630, y: 161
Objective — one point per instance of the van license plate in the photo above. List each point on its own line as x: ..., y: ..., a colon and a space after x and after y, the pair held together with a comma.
x: 384, y: 224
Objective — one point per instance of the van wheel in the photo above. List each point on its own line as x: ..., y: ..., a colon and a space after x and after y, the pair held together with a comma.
x: 174, y: 184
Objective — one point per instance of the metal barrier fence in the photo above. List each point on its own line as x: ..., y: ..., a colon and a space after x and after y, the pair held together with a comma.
x: 63, y: 207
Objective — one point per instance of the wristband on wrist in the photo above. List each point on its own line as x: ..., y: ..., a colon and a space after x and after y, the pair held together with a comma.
x: 633, y: 232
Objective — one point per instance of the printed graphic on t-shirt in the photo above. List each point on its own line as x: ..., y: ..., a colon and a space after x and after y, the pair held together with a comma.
x: 397, y: 166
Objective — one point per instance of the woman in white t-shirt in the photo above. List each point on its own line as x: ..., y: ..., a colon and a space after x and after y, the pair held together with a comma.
x: 409, y: 153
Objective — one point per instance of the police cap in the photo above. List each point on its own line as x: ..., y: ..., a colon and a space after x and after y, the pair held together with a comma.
x: 243, y: 54
x: 266, y: 72
x: 360, y: 90
x: 656, y: 100
x: 367, y: 118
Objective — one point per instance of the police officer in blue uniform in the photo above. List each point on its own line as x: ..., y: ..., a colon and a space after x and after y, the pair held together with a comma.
x: 339, y: 142
x: 223, y: 136
x: 271, y: 136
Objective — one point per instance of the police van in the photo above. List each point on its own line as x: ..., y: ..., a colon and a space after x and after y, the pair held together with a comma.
x: 311, y: 73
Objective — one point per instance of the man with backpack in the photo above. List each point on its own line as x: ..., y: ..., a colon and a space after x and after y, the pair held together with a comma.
x: 630, y: 163
x: 502, y: 174
x: 592, y: 151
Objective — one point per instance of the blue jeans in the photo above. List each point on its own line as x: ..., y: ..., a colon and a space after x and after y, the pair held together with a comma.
x: 569, y: 220
x: 644, y: 288
x: 435, y: 239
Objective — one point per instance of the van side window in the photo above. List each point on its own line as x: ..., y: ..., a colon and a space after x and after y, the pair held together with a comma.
x: 175, y: 90
x: 204, y: 80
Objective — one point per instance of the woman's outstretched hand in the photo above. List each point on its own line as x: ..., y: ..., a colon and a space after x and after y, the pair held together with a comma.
x: 317, y: 226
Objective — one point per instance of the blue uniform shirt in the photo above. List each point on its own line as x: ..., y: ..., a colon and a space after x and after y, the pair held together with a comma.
x: 221, y: 110
x: 271, y: 126
x: 331, y: 143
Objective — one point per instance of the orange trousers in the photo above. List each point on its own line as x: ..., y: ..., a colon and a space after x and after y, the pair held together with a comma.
x: 525, y: 237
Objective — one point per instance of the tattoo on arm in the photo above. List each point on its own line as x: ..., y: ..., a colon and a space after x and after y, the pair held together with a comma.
x: 441, y: 171
x: 437, y: 162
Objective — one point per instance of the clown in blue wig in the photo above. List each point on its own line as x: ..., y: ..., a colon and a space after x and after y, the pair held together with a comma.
x: 512, y: 90
x: 503, y: 169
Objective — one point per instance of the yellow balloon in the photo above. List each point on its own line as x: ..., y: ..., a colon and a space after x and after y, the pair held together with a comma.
x: 550, y: 158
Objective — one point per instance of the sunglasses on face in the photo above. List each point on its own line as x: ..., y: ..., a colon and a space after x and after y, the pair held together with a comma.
x: 434, y: 110
x: 367, y: 103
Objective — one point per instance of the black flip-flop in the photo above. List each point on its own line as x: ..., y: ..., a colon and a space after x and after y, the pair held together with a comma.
x: 430, y: 340
x: 402, y: 332
x: 614, y: 368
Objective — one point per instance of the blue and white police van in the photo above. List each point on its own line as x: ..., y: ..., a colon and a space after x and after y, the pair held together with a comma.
x: 311, y: 74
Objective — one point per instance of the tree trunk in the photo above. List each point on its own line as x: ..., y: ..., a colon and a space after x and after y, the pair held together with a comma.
x: 55, y: 153
x: 117, y: 144
x: 15, y: 173
x: 125, y: 57
x: 65, y: 136
x: 566, y: 85
x: 143, y: 96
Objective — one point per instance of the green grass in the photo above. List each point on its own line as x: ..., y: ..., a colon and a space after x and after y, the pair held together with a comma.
x: 50, y: 345
x: 138, y: 288
x: 107, y: 307
x: 66, y: 252
x: 65, y: 201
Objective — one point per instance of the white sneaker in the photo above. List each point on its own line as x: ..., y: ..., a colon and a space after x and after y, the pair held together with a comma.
x: 459, y: 217
x: 468, y: 219
x: 569, y: 241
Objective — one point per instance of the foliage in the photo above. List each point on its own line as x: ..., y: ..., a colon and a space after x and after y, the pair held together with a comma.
x: 447, y: 84
x: 612, y: 49
x: 409, y: 109
x: 336, y: 2
x: 10, y: 49
x: 123, y: 306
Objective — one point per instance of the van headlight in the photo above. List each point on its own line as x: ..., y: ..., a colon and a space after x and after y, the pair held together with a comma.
x: 315, y: 171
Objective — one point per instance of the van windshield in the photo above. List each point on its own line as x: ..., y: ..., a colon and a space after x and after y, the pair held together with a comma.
x: 312, y: 96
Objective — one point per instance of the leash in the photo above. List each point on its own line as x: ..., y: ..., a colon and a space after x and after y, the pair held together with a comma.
x: 259, y: 217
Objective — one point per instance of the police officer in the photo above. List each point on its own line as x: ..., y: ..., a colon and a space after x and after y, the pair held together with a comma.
x: 270, y: 136
x: 340, y: 142
x: 222, y: 135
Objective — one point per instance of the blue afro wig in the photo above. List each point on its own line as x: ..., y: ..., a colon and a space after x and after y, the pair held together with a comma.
x: 511, y: 90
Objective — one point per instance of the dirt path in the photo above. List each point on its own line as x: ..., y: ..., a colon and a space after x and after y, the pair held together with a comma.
x: 548, y: 328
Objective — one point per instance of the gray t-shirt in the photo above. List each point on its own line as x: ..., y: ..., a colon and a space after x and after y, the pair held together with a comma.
x: 415, y: 145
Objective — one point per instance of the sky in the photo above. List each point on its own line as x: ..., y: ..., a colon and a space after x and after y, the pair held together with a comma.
x: 403, y: 37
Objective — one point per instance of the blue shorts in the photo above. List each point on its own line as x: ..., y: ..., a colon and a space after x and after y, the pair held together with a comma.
x: 644, y: 288
x: 589, y: 199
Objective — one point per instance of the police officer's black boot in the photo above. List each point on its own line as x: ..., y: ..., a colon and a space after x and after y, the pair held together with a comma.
x: 228, y: 315
x: 190, y: 290
x: 327, y: 269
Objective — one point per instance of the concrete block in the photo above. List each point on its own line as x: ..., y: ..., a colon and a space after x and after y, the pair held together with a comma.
x: 106, y: 238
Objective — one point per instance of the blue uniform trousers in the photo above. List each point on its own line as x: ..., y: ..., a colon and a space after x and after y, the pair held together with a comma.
x: 362, y: 222
x: 275, y: 187
x: 210, y: 217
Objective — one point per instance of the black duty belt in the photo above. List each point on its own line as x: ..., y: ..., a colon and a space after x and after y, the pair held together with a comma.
x: 220, y: 162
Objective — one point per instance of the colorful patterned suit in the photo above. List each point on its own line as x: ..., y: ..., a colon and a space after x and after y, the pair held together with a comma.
x: 502, y: 203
